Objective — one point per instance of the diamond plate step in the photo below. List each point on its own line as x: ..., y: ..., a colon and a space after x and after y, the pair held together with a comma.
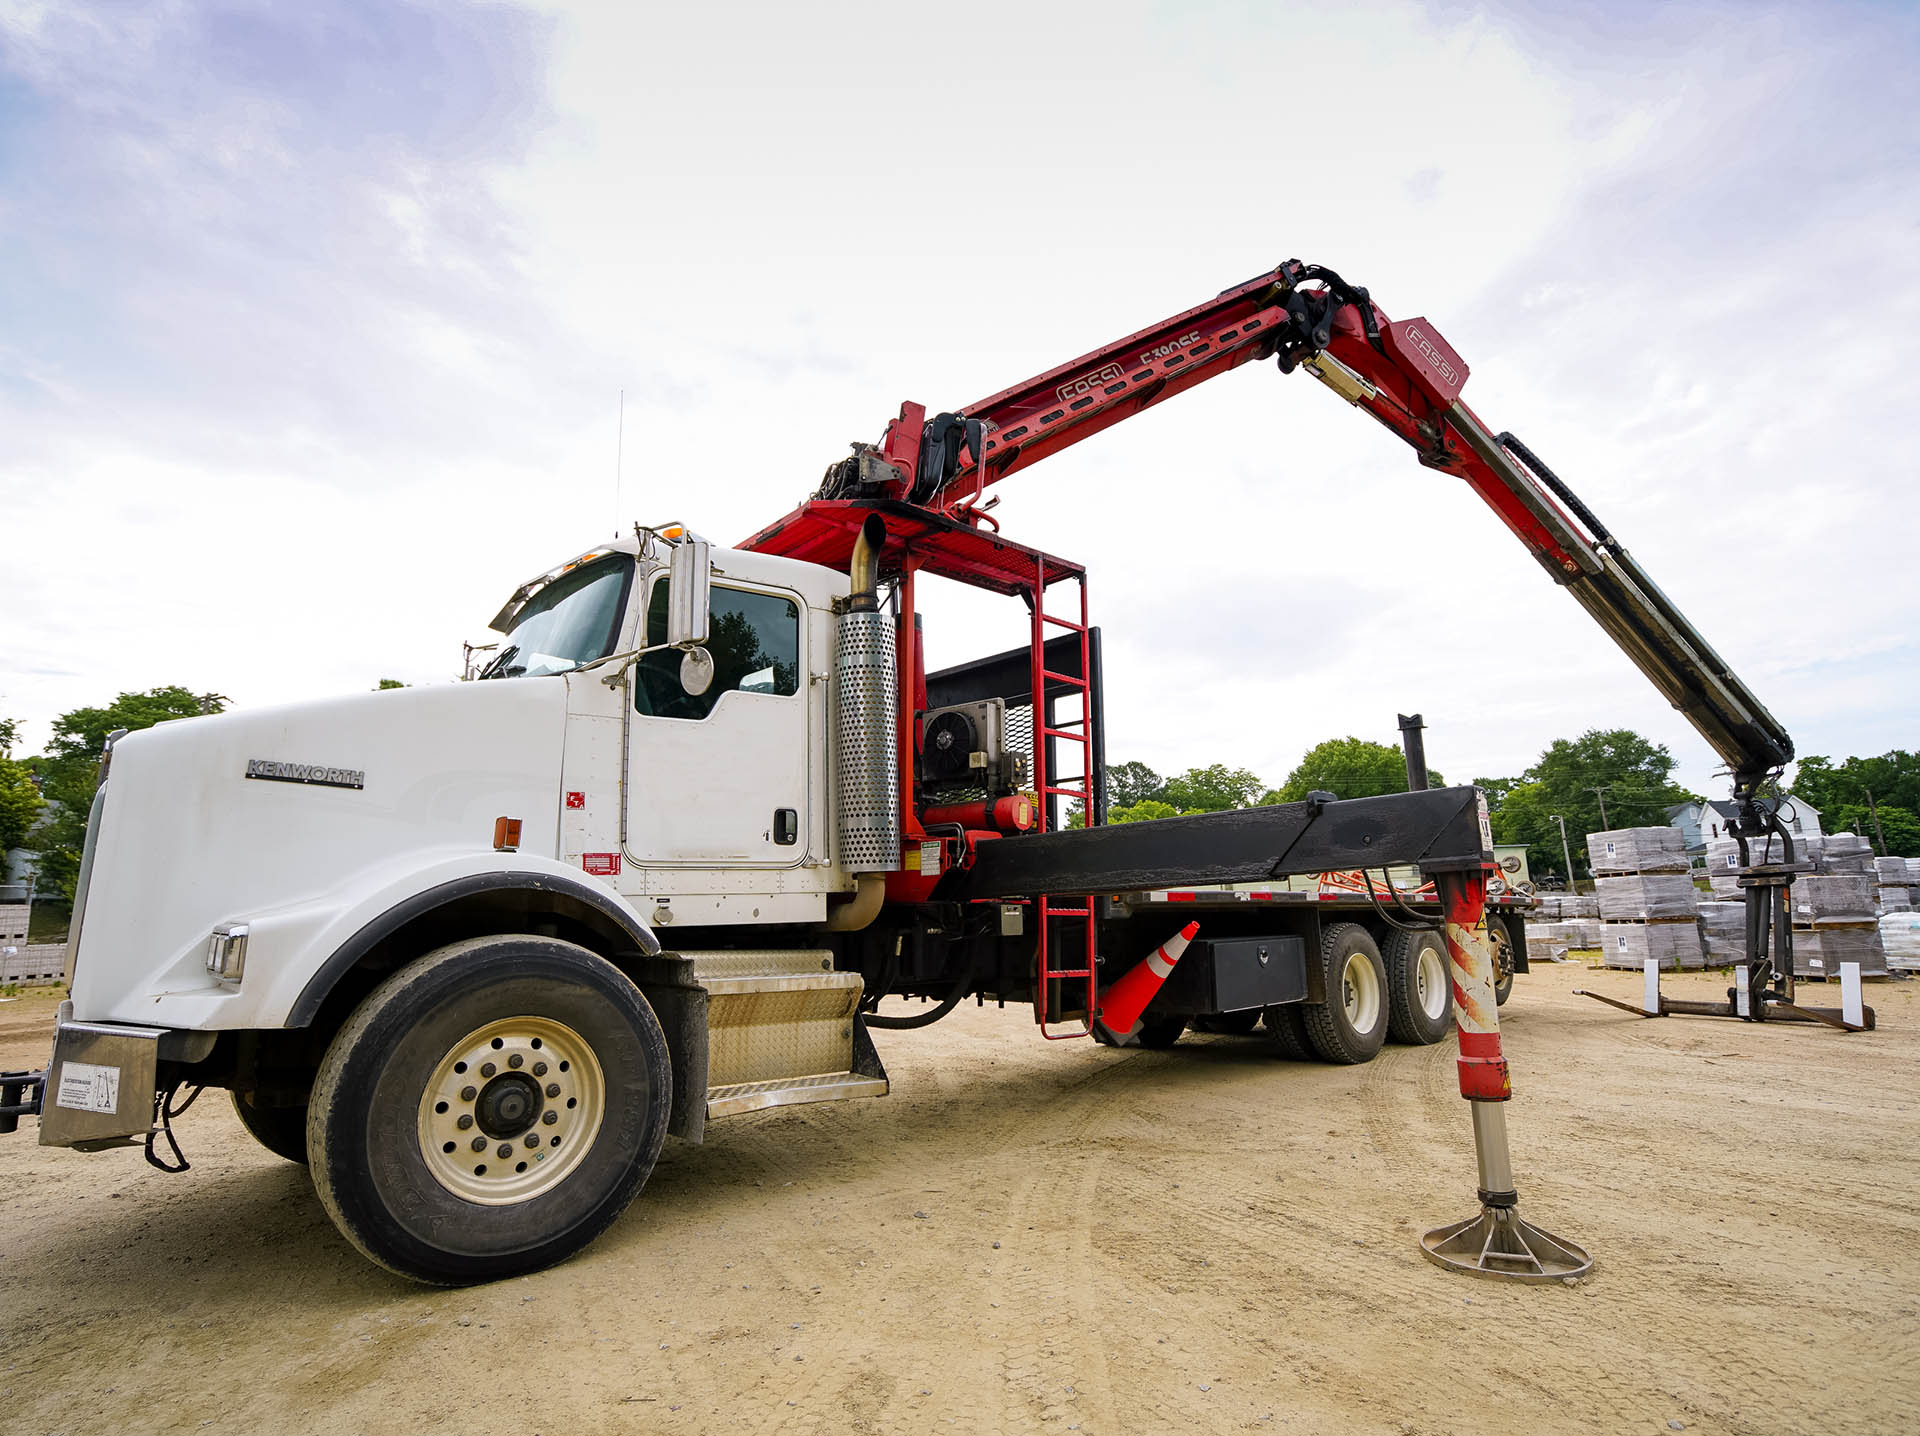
x: 741, y: 1097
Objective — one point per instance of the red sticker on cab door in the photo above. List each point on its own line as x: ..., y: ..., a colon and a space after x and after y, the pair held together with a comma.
x: 576, y: 800
x: 601, y: 865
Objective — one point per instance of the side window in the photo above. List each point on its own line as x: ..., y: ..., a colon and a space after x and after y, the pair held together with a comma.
x: 755, y: 642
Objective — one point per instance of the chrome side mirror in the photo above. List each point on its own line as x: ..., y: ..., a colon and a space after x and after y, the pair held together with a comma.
x: 696, y: 671
x: 689, y: 580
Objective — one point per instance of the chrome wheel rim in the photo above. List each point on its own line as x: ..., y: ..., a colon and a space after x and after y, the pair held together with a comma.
x: 1360, y: 993
x: 1432, y: 982
x: 511, y: 1110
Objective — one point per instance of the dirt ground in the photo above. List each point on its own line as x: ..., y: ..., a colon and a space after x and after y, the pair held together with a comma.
x: 1033, y: 1236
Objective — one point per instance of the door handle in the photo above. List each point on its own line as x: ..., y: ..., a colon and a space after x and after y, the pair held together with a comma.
x: 786, y: 827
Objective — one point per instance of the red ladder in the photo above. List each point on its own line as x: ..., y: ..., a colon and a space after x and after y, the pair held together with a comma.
x: 1049, y: 785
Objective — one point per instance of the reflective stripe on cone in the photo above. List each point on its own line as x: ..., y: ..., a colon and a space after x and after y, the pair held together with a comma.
x: 1122, y: 1004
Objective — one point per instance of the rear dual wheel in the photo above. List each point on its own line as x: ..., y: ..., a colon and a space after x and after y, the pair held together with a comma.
x: 1500, y: 941
x: 1419, y: 987
x: 1351, y: 1025
x: 489, y: 1110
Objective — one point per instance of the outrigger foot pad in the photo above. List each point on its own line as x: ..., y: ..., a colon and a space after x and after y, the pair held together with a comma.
x: 1497, y: 1243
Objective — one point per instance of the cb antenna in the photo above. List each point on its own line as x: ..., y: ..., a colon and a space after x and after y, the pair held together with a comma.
x: 619, y: 457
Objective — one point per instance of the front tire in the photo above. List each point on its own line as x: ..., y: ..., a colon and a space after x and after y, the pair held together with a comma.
x: 489, y: 1110
x: 1351, y: 1025
x: 1419, y: 987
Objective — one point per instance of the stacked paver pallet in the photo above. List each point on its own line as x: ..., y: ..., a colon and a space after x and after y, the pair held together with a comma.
x: 1648, y: 904
x: 1900, y: 937
x: 1561, y: 922
x: 1834, y: 922
x: 1723, y: 932
x: 1892, y: 885
x: 1846, y: 853
x: 1723, y: 861
x: 40, y: 962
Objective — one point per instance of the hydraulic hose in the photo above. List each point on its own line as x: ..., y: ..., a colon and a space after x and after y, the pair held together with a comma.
x: 933, y: 1014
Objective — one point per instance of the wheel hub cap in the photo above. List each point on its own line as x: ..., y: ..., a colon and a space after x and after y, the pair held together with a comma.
x: 510, y: 1110
x: 1360, y: 993
x: 508, y: 1105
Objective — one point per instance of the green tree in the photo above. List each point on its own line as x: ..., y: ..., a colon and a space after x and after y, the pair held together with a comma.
x: 1348, y: 768
x: 69, y: 769
x: 1632, y: 774
x: 1212, y: 789
x: 1143, y: 811
x: 1840, y: 792
x: 1130, y: 783
x: 386, y: 683
x: 20, y: 800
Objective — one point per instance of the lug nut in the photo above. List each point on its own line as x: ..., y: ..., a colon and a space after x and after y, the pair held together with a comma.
x: 533, y: 1139
x: 467, y: 1094
x: 539, y: 1069
x: 479, y: 1144
x: 515, y: 1060
x: 506, y: 1149
x: 466, y: 1121
x: 553, y: 1089
x: 549, y: 1116
x: 487, y: 1069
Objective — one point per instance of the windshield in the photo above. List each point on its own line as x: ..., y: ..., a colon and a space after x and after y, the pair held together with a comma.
x: 573, y: 620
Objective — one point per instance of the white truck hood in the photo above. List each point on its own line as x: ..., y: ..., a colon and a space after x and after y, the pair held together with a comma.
x: 288, y: 819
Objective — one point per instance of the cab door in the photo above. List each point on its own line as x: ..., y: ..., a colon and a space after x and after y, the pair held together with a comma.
x: 719, y: 779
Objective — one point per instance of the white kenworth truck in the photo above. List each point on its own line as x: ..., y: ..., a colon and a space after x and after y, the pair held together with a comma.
x: 472, y: 952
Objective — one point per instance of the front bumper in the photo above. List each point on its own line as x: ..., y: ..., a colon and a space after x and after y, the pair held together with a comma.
x: 98, y: 1088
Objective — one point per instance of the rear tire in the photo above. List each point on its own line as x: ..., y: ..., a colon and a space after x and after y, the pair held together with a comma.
x: 1286, y: 1032
x: 538, y: 1050
x: 1500, y: 941
x: 1351, y: 1025
x: 281, y: 1130
x: 1419, y: 987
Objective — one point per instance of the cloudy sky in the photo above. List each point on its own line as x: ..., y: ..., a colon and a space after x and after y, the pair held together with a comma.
x: 313, y: 322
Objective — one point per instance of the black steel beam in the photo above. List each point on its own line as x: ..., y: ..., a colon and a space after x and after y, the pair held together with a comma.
x: 1006, y: 675
x: 1439, y: 829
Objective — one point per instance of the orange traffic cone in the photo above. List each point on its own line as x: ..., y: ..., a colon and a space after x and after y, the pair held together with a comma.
x: 1123, y: 1003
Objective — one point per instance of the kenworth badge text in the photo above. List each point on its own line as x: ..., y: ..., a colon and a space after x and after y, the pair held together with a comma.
x: 706, y: 807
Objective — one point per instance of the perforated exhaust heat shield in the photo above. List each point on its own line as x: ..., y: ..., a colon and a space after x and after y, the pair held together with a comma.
x: 865, y: 700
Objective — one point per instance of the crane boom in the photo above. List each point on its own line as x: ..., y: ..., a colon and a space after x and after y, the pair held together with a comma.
x: 1408, y: 378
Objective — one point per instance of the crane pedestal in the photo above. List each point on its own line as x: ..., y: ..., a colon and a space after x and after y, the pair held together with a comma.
x: 1499, y: 1242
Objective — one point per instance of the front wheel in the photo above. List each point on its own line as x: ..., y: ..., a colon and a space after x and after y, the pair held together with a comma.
x: 489, y: 1110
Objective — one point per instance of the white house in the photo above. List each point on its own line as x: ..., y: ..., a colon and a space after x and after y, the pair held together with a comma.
x: 1702, y: 822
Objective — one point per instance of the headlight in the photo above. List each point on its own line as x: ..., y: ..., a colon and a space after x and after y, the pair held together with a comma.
x: 227, y: 951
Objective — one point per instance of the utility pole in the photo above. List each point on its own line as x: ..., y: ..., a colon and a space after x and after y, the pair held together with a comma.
x: 1566, y: 852
x: 1601, y: 794
x: 1874, y: 813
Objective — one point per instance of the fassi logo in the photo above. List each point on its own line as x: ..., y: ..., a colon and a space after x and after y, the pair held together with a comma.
x: 1087, y: 383
x: 1439, y: 362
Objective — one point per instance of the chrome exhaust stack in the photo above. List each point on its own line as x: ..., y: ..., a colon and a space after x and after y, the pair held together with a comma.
x: 866, y: 700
